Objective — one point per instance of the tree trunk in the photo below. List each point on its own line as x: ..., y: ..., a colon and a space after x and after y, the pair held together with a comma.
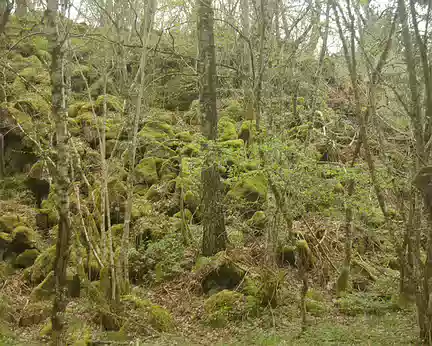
x: 5, y: 11
x: 215, y: 236
x: 21, y: 8
x: 61, y: 177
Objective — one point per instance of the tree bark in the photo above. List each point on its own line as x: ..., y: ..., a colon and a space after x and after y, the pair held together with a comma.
x: 61, y: 177
x: 5, y: 11
x: 21, y: 8
x: 215, y: 236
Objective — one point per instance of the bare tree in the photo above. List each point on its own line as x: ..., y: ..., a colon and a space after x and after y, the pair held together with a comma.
x: 215, y: 236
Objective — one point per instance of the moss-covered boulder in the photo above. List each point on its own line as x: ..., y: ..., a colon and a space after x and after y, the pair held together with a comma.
x: 234, y: 144
x: 226, y: 306
x: 185, y: 136
x: 9, y: 222
x: 42, y: 266
x: 113, y: 104
x: 258, y: 220
x: 156, y: 130
x: 146, y: 171
x: 226, y: 129
x: 23, y: 238
x: 251, y: 187
x: 26, y: 259
x: 191, y: 149
x: 218, y: 273
x: 45, y: 289
x: 232, y: 109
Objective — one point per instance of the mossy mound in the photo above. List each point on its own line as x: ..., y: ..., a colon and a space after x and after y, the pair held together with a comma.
x: 9, y: 222
x: 251, y: 187
x: 361, y: 303
x: 35, y: 313
x: 156, y: 130
x: 113, y: 104
x: 226, y: 129
x: 226, y: 306
x: 23, y: 238
x: 42, y: 266
x: 26, y: 259
x: 218, y: 273
x: 144, y: 312
x: 146, y: 171
x: 232, y: 109
x: 258, y: 220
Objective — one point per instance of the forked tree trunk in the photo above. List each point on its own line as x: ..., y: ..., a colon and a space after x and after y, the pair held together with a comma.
x: 61, y: 177
x: 215, y: 236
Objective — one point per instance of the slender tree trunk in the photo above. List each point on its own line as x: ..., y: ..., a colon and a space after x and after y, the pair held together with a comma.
x: 5, y: 11
x: 215, y: 236
x: 148, y: 23
x: 61, y: 177
x: 21, y: 8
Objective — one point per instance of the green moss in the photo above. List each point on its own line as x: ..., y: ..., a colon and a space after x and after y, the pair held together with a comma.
x: 233, y: 110
x: 23, y: 238
x: 227, y: 306
x: 27, y: 258
x: 187, y: 213
x: 79, y: 107
x: 43, y: 265
x: 315, y: 308
x: 251, y: 187
x: 46, y: 329
x: 287, y: 254
x: 234, y: 144
x: 160, y: 319
x: 9, y: 222
x: 156, y: 130
x: 191, y: 200
x: 154, y: 193
x: 5, y: 240
x: 185, y: 136
x: 112, y: 102
x: 191, y: 149
x: 45, y: 289
x: 35, y: 313
x: 193, y: 115
x: 141, y: 207
x: 251, y: 165
x: 146, y: 171
x: 34, y: 105
x: 361, y: 303
x: 236, y: 238
x: 226, y: 129
x: 258, y: 220
x: 247, y: 130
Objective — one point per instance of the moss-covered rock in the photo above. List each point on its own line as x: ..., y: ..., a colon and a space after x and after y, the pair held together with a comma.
x: 156, y: 130
x: 43, y: 265
x: 236, y: 238
x: 191, y: 149
x: 191, y: 200
x: 362, y: 303
x: 251, y: 187
x: 258, y: 220
x: 112, y: 102
x: 234, y: 144
x: 27, y: 258
x: 232, y: 109
x: 226, y: 129
x: 185, y: 136
x: 146, y: 171
x: 45, y: 289
x: 9, y: 222
x: 23, y: 238
x: 226, y: 306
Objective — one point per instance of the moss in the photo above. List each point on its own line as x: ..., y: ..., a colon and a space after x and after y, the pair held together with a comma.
x: 141, y: 208
x: 193, y: 115
x: 258, y: 220
x: 9, y: 222
x: 154, y: 193
x: 45, y: 289
x: 247, y: 130
x: 27, y: 258
x: 236, y: 238
x: 157, y: 149
x: 112, y: 102
x: 226, y: 129
x: 251, y: 165
x: 146, y: 171
x: 79, y: 107
x: 251, y: 187
x: 315, y: 308
x: 11, y: 117
x: 43, y: 265
x: 287, y: 255
x: 233, y: 110
x: 304, y: 255
x: 191, y: 149
x: 191, y: 200
x: 46, y: 330
x: 23, y: 238
x: 162, y: 115
x: 187, y: 213
x: 234, y: 144
x: 34, y: 105
x: 227, y: 306
x: 361, y: 303
x: 156, y: 130
x: 5, y: 240
x: 185, y: 136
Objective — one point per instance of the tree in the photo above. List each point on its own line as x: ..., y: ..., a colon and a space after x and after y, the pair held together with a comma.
x: 214, y: 236
x: 61, y: 176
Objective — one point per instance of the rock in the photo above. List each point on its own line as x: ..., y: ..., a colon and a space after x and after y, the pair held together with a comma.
x: 146, y: 171
x: 191, y: 149
x: 258, y: 220
x: 26, y: 259
x: 232, y: 110
x: 226, y: 129
x: 43, y: 265
x: 9, y: 222
x: 251, y: 187
x: 185, y: 136
x: 234, y: 144
x: 23, y: 238
x: 156, y: 130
